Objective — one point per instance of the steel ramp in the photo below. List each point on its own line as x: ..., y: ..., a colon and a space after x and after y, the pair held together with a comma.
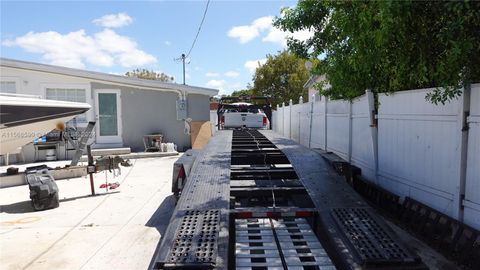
x: 265, y: 243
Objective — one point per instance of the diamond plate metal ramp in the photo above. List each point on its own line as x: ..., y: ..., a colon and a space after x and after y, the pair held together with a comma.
x: 339, y: 231
x: 201, y: 215
x: 374, y: 244
x: 196, y: 240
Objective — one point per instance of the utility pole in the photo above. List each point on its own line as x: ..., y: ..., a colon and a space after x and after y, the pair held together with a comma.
x: 183, y: 60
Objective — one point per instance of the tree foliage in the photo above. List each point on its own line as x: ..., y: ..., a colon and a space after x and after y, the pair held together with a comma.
x: 282, y: 78
x: 149, y: 75
x: 243, y: 92
x: 389, y: 46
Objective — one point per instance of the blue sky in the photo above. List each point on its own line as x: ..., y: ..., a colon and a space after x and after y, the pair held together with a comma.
x: 118, y: 36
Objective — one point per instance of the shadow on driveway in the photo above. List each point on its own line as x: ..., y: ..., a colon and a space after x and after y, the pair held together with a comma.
x: 17, y: 208
x: 159, y: 220
x: 26, y: 206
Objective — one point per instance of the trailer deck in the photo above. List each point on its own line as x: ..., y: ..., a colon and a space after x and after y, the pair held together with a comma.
x: 255, y: 200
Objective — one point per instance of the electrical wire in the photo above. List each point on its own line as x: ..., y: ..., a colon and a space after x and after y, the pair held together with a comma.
x: 199, y: 28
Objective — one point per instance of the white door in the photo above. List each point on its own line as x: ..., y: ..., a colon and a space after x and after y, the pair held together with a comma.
x: 107, y: 109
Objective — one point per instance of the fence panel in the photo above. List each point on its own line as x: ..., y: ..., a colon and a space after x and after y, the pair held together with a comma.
x: 416, y: 143
x: 304, y: 126
x: 295, y: 122
x: 318, y: 125
x: 419, y: 144
x: 275, y: 120
x: 362, y: 143
x: 338, y: 127
x: 472, y: 185
x: 286, y: 121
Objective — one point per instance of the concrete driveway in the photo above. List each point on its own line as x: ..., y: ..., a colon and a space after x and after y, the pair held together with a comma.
x: 118, y: 229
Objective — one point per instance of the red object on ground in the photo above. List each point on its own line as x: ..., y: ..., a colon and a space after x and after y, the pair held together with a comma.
x: 110, y: 185
x: 114, y: 185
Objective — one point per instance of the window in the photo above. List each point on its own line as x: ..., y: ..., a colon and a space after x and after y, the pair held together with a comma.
x: 8, y: 87
x: 69, y: 94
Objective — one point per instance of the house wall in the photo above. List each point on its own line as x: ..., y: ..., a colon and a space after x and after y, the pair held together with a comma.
x: 416, y: 149
x: 145, y: 111
x: 30, y: 82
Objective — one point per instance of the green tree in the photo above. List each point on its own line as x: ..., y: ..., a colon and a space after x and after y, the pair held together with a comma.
x: 243, y: 92
x: 282, y: 78
x: 149, y: 75
x: 389, y: 46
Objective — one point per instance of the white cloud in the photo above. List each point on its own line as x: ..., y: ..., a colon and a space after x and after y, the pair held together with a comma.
x: 114, y: 20
x: 135, y: 58
x: 253, y: 64
x: 263, y: 23
x: 232, y: 74
x: 243, y: 33
x: 75, y: 49
x: 246, y: 33
x: 223, y: 86
x: 167, y: 43
x: 212, y: 74
x: 277, y: 36
x: 217, y: 84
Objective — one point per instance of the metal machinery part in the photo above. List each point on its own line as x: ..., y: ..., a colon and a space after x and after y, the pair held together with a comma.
x: 80, y: 143
x: 109, y: 163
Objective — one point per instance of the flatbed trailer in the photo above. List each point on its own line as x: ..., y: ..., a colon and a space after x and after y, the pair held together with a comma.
x: 255, y: 200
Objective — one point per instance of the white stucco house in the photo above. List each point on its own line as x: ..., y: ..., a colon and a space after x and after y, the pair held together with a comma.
x: 125, y: 109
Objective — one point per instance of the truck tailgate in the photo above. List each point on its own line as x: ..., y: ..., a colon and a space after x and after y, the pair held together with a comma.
x: 251, y: 120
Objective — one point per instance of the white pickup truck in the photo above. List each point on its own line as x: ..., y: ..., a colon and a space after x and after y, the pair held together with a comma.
x: 242, y: 114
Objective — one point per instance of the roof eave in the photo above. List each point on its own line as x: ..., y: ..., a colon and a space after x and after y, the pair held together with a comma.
x: 106, y: 77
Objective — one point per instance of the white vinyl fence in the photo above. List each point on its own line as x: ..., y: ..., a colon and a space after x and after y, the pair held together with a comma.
x: 414, y: 148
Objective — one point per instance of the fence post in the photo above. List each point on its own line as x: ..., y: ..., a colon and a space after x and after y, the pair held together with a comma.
x: 283, y: 118
x: 350, y: 135
x: 373, y: 130
x: 326, y: 118
x: 290, y: 104
x: 300, y: 102
x: 277, y: 128
x: 311, y: 122
x: 462, y: 145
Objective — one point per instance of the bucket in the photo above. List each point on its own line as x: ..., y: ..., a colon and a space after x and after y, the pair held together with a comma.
x: 50, y: 155
x: 171, y: 147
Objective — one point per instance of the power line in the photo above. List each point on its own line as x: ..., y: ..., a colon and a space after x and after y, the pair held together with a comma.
x: 184, y: 57
x: 199, y: 28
